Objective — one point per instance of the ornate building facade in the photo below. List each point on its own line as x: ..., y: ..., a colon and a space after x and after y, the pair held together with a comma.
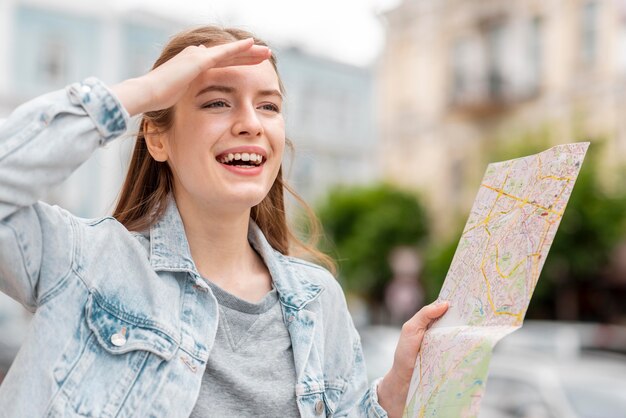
x: 456, y: 76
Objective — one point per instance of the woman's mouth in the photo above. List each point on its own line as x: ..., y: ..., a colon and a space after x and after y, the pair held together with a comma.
x: 243, y: 159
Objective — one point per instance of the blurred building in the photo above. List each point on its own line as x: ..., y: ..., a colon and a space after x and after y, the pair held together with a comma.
x: 456, y: 75
x: 329, y: 119
x: 49, y: 44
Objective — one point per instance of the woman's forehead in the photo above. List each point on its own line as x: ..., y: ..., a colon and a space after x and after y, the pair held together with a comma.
x: 260, y: 76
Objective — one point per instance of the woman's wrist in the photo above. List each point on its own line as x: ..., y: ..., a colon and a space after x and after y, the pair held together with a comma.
x: 392, y: 392
x: 133, y: 95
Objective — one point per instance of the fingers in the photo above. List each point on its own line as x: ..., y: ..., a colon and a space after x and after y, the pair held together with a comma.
x: 236, y: 46
x: 426, y: 316
x: 243, y: 52
x: 248, y: 59
x: 435, y: 310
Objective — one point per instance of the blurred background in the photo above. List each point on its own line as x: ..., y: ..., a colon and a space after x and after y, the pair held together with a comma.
x: 395, y: 108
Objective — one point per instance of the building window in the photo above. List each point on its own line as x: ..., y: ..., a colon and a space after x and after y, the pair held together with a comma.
x: 589, y: 32
x: 496, y: 61
x: 536, y: 54
x: 459, y: 67
x: 52, y: 61
x: 622, y: 36
x: 140, y: 46
x: 139, y: 62
x: 466, y: 69
x: 622, y: 48
x: 457, y: 177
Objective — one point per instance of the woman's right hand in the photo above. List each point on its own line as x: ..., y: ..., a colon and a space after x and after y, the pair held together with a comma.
x: 162, y: 87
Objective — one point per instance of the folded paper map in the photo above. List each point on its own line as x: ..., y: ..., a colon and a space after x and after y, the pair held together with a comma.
x: 494, y: 271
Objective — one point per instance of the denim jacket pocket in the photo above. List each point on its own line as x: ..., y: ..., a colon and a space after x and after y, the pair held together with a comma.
x: 115, y: 358
x: 332, y: 395
x: 320, y: 400
x: 119, y: 332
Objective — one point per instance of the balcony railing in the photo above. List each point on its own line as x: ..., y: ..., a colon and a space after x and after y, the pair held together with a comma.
x: 489, y: 96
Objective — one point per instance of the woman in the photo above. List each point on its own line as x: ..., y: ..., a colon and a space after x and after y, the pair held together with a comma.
x: 186, y: 302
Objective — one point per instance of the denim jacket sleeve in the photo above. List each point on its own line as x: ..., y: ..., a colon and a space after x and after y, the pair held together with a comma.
x: 358, y: 393
x: 358, y: 400
x: 41, y: 143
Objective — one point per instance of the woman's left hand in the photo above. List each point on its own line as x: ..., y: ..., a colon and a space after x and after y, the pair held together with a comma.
x: 393, y: 389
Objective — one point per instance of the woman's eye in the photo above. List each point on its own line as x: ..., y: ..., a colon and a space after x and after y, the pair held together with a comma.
x: 217, y: 104
x: 271, y: 107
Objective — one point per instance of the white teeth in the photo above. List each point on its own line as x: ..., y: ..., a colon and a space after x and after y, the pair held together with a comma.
x: 256, y: 159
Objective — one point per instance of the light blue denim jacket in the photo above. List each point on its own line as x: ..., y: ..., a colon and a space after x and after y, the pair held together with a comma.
x: 123, y: 323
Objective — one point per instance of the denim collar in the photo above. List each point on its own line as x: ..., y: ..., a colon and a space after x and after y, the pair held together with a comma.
x: 169, y: 251
x: 294, y: 290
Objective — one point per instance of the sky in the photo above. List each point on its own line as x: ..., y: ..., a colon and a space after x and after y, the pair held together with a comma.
x: 350, y: 31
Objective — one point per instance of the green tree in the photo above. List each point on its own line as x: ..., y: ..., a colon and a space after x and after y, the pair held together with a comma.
x: 593, y: 224
x: 362, y: 226
x: 437, y: 261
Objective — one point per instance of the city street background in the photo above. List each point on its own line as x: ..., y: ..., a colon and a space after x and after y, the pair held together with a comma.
x: 395, y: 107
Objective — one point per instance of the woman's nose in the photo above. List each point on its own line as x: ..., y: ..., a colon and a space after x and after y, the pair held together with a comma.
x: 247, y: 123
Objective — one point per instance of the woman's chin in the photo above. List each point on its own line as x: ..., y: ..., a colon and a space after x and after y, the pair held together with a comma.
x: 246, y: 200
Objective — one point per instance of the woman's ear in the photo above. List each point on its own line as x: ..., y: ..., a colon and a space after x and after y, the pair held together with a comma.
x: 156, y: 142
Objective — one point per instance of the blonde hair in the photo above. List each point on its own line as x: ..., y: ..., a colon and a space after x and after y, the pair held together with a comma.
x: 148, y: 182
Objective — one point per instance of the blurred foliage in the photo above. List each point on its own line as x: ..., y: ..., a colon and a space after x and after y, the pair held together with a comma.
x: 437, y: 260
x: 593, y: 224
x: 362, y: 226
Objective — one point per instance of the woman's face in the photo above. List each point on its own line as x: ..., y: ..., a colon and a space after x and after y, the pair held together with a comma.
x: 228, y: 137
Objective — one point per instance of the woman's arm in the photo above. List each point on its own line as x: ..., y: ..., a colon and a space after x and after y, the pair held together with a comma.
x: 46, y: 139
x: 41, y: 143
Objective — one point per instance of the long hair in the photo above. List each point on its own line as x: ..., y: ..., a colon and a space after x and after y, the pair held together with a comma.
x: 148, y: 182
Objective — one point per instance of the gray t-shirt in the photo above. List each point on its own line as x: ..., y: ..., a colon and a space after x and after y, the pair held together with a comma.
x: 250, y: 371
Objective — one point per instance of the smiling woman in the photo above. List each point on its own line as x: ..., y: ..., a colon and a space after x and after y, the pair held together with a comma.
x: 187, y: 301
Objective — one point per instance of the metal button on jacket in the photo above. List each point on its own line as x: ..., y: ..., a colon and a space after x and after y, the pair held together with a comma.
x: 119, y: 338
x: 319, y: 407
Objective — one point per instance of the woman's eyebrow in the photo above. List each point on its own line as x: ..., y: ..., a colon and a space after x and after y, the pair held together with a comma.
x: 230, y: 90
x: 221, y: 89
x: 271, y: 92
